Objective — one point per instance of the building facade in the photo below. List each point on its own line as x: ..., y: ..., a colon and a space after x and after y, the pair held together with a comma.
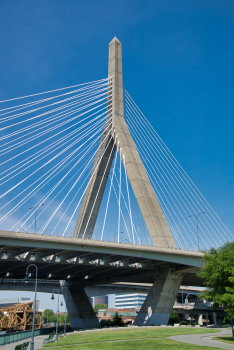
x: 128, y: 315
x: 129, y: 301
x: 103, y: 299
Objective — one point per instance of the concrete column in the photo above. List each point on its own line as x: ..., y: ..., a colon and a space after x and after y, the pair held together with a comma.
x: 200, y: 320
x: 146, y: 198
x: 160, y: 300
x: 80, y: 310
x: 142, y: 188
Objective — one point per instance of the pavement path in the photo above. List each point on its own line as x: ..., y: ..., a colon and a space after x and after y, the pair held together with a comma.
x: 205, y: 339
x: 38, y: 342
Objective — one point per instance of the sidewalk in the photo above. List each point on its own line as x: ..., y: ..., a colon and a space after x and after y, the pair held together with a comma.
x: 38, y: 342
x: 205, y: 339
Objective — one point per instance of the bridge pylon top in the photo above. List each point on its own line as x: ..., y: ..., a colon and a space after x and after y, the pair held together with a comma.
x: 121, y: 140
x: 115, y: 39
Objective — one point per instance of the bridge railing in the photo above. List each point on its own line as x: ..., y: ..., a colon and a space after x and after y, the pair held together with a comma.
x: 8, y: 338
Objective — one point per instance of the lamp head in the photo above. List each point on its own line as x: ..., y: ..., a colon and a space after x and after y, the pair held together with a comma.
x: 26, y: 279
x: 52, y: 298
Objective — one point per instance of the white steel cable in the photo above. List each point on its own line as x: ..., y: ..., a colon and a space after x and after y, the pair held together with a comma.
x: 122, y: 213
x: 120, y: 149
x: 139, y: 150
x: 193, y: 201
x: 130, y: 213
x: 185, y: 175
x: 126, y: 207
x: 91, y: 177
x: 64, y: 212
x: 47, y: 131
x: 60, y: 204
x: 44, y: 198
x: 29, y: 104
x: 158, y: 171
x: 198, y: 209
x: 38, y: 186
x: 45, y: 207
x: 32, y: 193
x: 45, y: 113
x: 113, y: 170
x: 99, y: 185
x: 63, y: 111
x: 57, y: 141
x: 53, y: 120
x: 89, y: 130
x: 35, y: 133
x: 46, y: 163
x: 41, y: 93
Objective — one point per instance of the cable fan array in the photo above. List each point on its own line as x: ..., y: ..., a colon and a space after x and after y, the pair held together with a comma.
x: 192, y: 221
x: 46, y: 154
x: 48, y: 147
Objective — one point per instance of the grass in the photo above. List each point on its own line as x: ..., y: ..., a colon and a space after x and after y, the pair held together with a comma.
x: 127, y: 339
x: 149, y: 344
x: 225, y: 339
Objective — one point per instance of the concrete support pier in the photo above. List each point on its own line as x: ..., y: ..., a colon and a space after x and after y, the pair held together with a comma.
x: 160, y: 300
x: 80, y: 310
x: 200, y: 320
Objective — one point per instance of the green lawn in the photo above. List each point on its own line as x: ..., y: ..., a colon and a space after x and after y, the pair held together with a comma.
x: 225, y: 339
x: 127, y: 339
x: 149, y: 344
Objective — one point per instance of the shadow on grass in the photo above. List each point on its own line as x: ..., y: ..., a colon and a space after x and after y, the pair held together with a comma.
x: 225, y: 339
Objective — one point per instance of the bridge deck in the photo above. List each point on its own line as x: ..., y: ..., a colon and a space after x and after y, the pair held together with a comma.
x: 89, y: 262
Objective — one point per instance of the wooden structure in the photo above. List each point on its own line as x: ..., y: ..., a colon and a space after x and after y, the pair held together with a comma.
x: 19, y: 317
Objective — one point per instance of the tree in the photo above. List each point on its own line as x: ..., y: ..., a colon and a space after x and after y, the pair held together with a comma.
x: 218, y: 275
x: 61, y: 318
x: 174, y: 318
x: 49, y: 315
x: 99, y: 306
x: 117, y: 320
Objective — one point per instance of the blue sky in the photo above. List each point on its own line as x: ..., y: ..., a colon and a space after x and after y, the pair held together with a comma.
x: 178, y: 65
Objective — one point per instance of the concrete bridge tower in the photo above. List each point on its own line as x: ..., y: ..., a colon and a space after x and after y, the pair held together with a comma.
x: 159, y: 302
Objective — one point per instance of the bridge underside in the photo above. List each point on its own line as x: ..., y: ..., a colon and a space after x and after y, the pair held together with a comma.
x: 83, y: 264
x: 90, y: 262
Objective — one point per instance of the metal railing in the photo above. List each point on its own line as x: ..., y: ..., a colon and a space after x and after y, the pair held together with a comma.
x: 8, y: 338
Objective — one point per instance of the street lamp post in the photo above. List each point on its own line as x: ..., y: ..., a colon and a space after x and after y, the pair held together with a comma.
x: 56, y: 336
x: 116, y: 234
x: 196, y: 217
x: 186, y: 299
x: 26, y: 279
x: 35, y: 225
x: 65, y: 318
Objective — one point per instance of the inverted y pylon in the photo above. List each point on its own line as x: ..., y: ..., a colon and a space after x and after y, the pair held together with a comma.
x: 142, y: 188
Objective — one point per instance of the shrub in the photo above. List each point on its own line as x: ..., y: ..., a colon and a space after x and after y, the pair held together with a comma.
x: 174, y: 318
x: 226, y: 321
x: 183, y: 323
x: 117, y: 320
x: 106, y: 323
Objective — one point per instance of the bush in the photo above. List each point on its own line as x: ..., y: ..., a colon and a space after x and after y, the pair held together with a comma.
x: 106, y: 323
x: 226, y: 321
x: 174, y: 318
x: 183, y: 323
x: 117, y: 320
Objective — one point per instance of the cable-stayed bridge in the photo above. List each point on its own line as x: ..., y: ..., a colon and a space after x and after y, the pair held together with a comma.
x: 92, y: 195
